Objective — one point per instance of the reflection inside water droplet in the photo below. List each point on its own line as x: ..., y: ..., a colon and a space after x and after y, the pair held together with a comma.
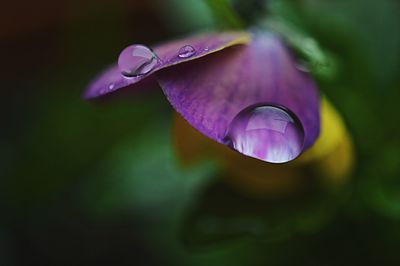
x: 186, y: 51
x: 266, y: 132
x: 136, y: 60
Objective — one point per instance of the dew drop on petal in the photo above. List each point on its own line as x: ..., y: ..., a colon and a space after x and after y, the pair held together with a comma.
x: 136, y: 60
x: 266, y: 132
x: 101, y: 92
x: 186, y: 51
x: 111, y: 86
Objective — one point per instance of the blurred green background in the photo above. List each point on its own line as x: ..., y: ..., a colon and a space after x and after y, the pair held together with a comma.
x: 86, y: 183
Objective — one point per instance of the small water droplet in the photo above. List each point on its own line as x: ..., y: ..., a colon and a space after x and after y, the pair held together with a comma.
x: 136, y: 60
x: 111, y: 86
x: 266, y: 132
x: 206, y: 49
x: 102, y: 91
x: 186, y: 51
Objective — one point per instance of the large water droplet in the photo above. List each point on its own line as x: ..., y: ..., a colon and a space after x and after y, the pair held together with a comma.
x: 266, y: 132
x: 136, y: 60
x: 186, y: 51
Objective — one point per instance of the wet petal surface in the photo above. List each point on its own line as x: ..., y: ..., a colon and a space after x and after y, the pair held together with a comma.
x: 211, y: 92
x: 167, y: 55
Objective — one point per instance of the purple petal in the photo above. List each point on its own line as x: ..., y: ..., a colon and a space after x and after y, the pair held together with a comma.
x: 223, y: 96
x: 168, y: 54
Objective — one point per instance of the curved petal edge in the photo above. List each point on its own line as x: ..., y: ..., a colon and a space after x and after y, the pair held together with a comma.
x: 111, y: 78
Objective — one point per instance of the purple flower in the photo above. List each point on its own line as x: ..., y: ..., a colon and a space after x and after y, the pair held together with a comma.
x: 242, y: 90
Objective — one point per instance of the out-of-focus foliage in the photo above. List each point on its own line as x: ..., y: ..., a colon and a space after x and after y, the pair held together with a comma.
x: 98, y: 183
